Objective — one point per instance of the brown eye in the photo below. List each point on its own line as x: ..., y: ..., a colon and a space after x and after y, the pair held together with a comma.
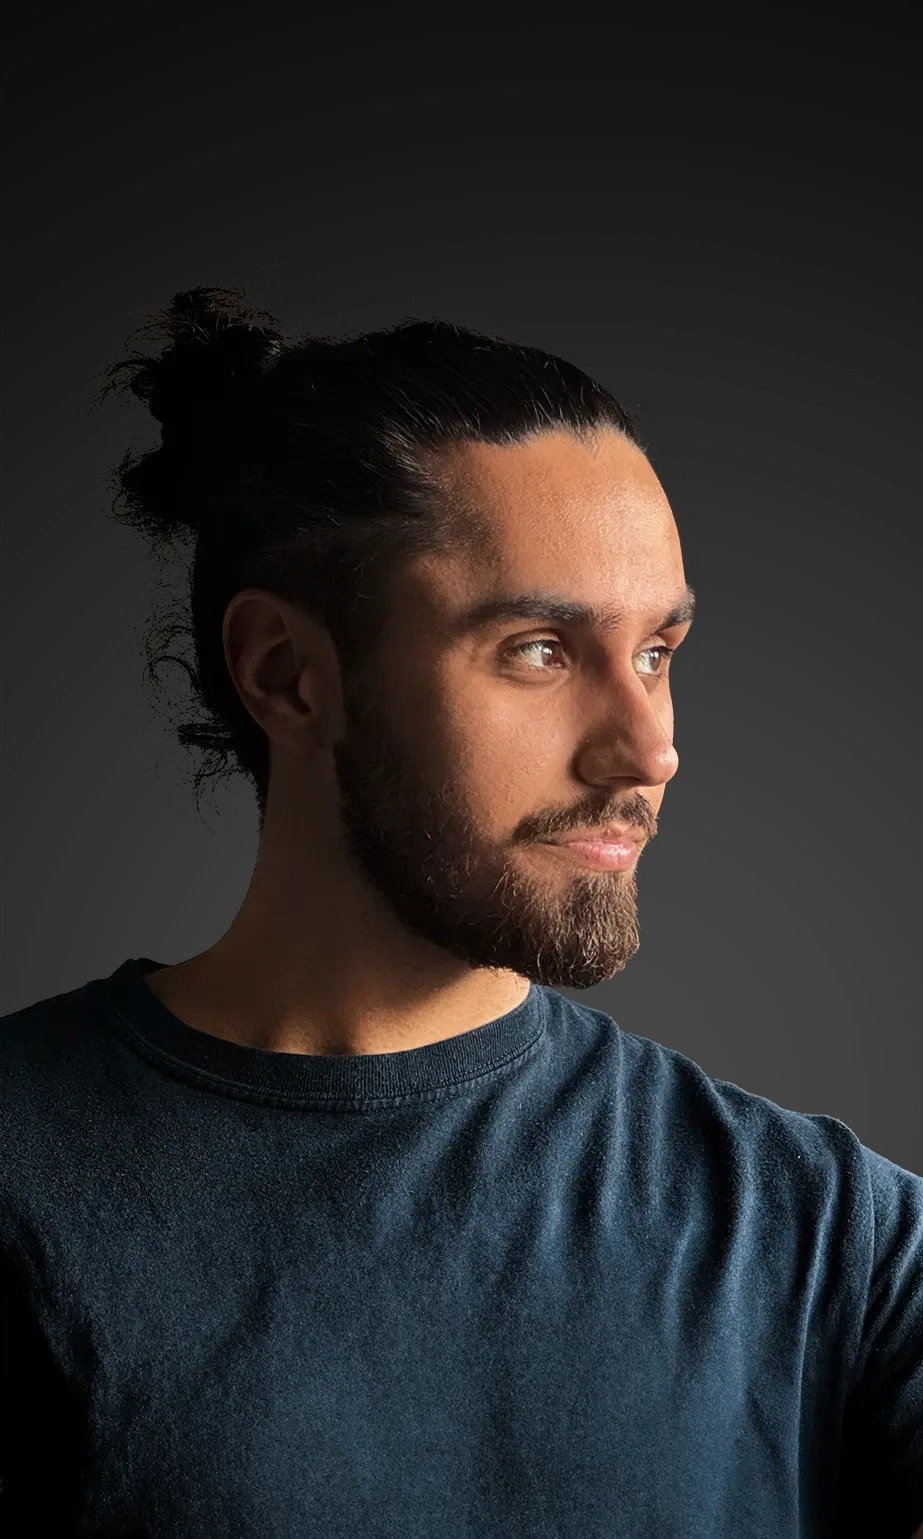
x: 664, y: 653
x: 530, y: 646
x: 661, y: 653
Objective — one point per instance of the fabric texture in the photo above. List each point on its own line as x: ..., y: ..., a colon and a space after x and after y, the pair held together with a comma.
x: 543, y: 1280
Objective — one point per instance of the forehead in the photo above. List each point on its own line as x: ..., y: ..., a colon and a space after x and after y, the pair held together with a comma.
x: 587, y: 520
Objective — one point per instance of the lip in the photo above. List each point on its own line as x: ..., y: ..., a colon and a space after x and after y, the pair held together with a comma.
x: 615, y: 850
x: 614, y: 833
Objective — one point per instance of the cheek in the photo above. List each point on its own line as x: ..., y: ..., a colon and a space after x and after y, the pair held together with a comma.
x: 508, y: 730
x: 496, y: 744
x: 505, y: 758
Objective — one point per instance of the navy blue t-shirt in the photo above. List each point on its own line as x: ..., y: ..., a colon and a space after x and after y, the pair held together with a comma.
x: 542, y: 1280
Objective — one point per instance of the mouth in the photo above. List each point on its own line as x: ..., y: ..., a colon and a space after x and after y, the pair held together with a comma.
x: 610, y: 851
x: 612, y: 833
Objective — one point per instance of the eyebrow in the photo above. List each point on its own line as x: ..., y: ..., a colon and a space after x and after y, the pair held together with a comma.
x: 537, y: 605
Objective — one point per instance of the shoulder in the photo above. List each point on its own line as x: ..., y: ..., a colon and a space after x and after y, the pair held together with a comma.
x: 56, y: 1057
x: 28, y: 1034
x: 687, y: 1120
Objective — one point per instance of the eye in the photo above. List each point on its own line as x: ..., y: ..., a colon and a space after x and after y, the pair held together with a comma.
x: 530, y: 646
x: 661, y: 654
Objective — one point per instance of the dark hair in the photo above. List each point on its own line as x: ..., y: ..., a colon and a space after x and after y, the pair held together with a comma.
x: 302, y: 468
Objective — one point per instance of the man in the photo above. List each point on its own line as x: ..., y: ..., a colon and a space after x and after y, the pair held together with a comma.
x: 351, y: 1224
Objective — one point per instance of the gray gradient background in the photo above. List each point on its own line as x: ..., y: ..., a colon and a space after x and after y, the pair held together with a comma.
x: 722, y: 229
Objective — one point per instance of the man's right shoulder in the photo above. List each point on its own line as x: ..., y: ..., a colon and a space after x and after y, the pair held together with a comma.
x: 51, y: 1036
x: 55, y: 1013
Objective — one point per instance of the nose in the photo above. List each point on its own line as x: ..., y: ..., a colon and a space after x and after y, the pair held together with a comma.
x: 632, y: 738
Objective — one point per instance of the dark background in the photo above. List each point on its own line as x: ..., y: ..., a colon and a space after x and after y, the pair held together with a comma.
x: 717, y: 220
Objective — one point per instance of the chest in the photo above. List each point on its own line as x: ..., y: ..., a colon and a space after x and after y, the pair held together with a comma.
x: 295, y: 1368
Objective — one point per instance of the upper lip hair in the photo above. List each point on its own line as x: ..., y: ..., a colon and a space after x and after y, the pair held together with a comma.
x: 613, y: 833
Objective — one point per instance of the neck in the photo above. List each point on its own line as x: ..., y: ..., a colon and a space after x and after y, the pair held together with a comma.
x: 313, y: 962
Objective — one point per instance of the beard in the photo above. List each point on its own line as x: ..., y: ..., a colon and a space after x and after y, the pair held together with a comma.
x: 409, y: 833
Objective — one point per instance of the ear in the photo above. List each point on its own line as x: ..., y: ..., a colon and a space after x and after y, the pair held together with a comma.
x: 285, y: 669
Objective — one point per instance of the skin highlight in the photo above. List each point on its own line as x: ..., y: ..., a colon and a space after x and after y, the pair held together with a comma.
x: 404, y: 891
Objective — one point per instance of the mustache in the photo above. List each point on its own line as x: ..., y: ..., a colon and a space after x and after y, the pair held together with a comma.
x: 634, y: 810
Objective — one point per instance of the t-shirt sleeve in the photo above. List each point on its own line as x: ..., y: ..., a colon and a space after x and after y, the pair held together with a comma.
x: 881, y: 1478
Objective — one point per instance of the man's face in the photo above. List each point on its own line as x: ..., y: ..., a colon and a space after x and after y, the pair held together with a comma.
x: 463, y: 757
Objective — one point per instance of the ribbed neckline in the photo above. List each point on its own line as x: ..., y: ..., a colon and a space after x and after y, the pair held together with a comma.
x: 432, y: 1072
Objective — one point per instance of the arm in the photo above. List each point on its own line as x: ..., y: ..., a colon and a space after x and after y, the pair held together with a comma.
x: 40, y: 1447
x: 882, y: 1450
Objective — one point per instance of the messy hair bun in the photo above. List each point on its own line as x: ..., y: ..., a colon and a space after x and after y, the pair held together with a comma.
x: 208, y: 390
x: 302, y: 468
